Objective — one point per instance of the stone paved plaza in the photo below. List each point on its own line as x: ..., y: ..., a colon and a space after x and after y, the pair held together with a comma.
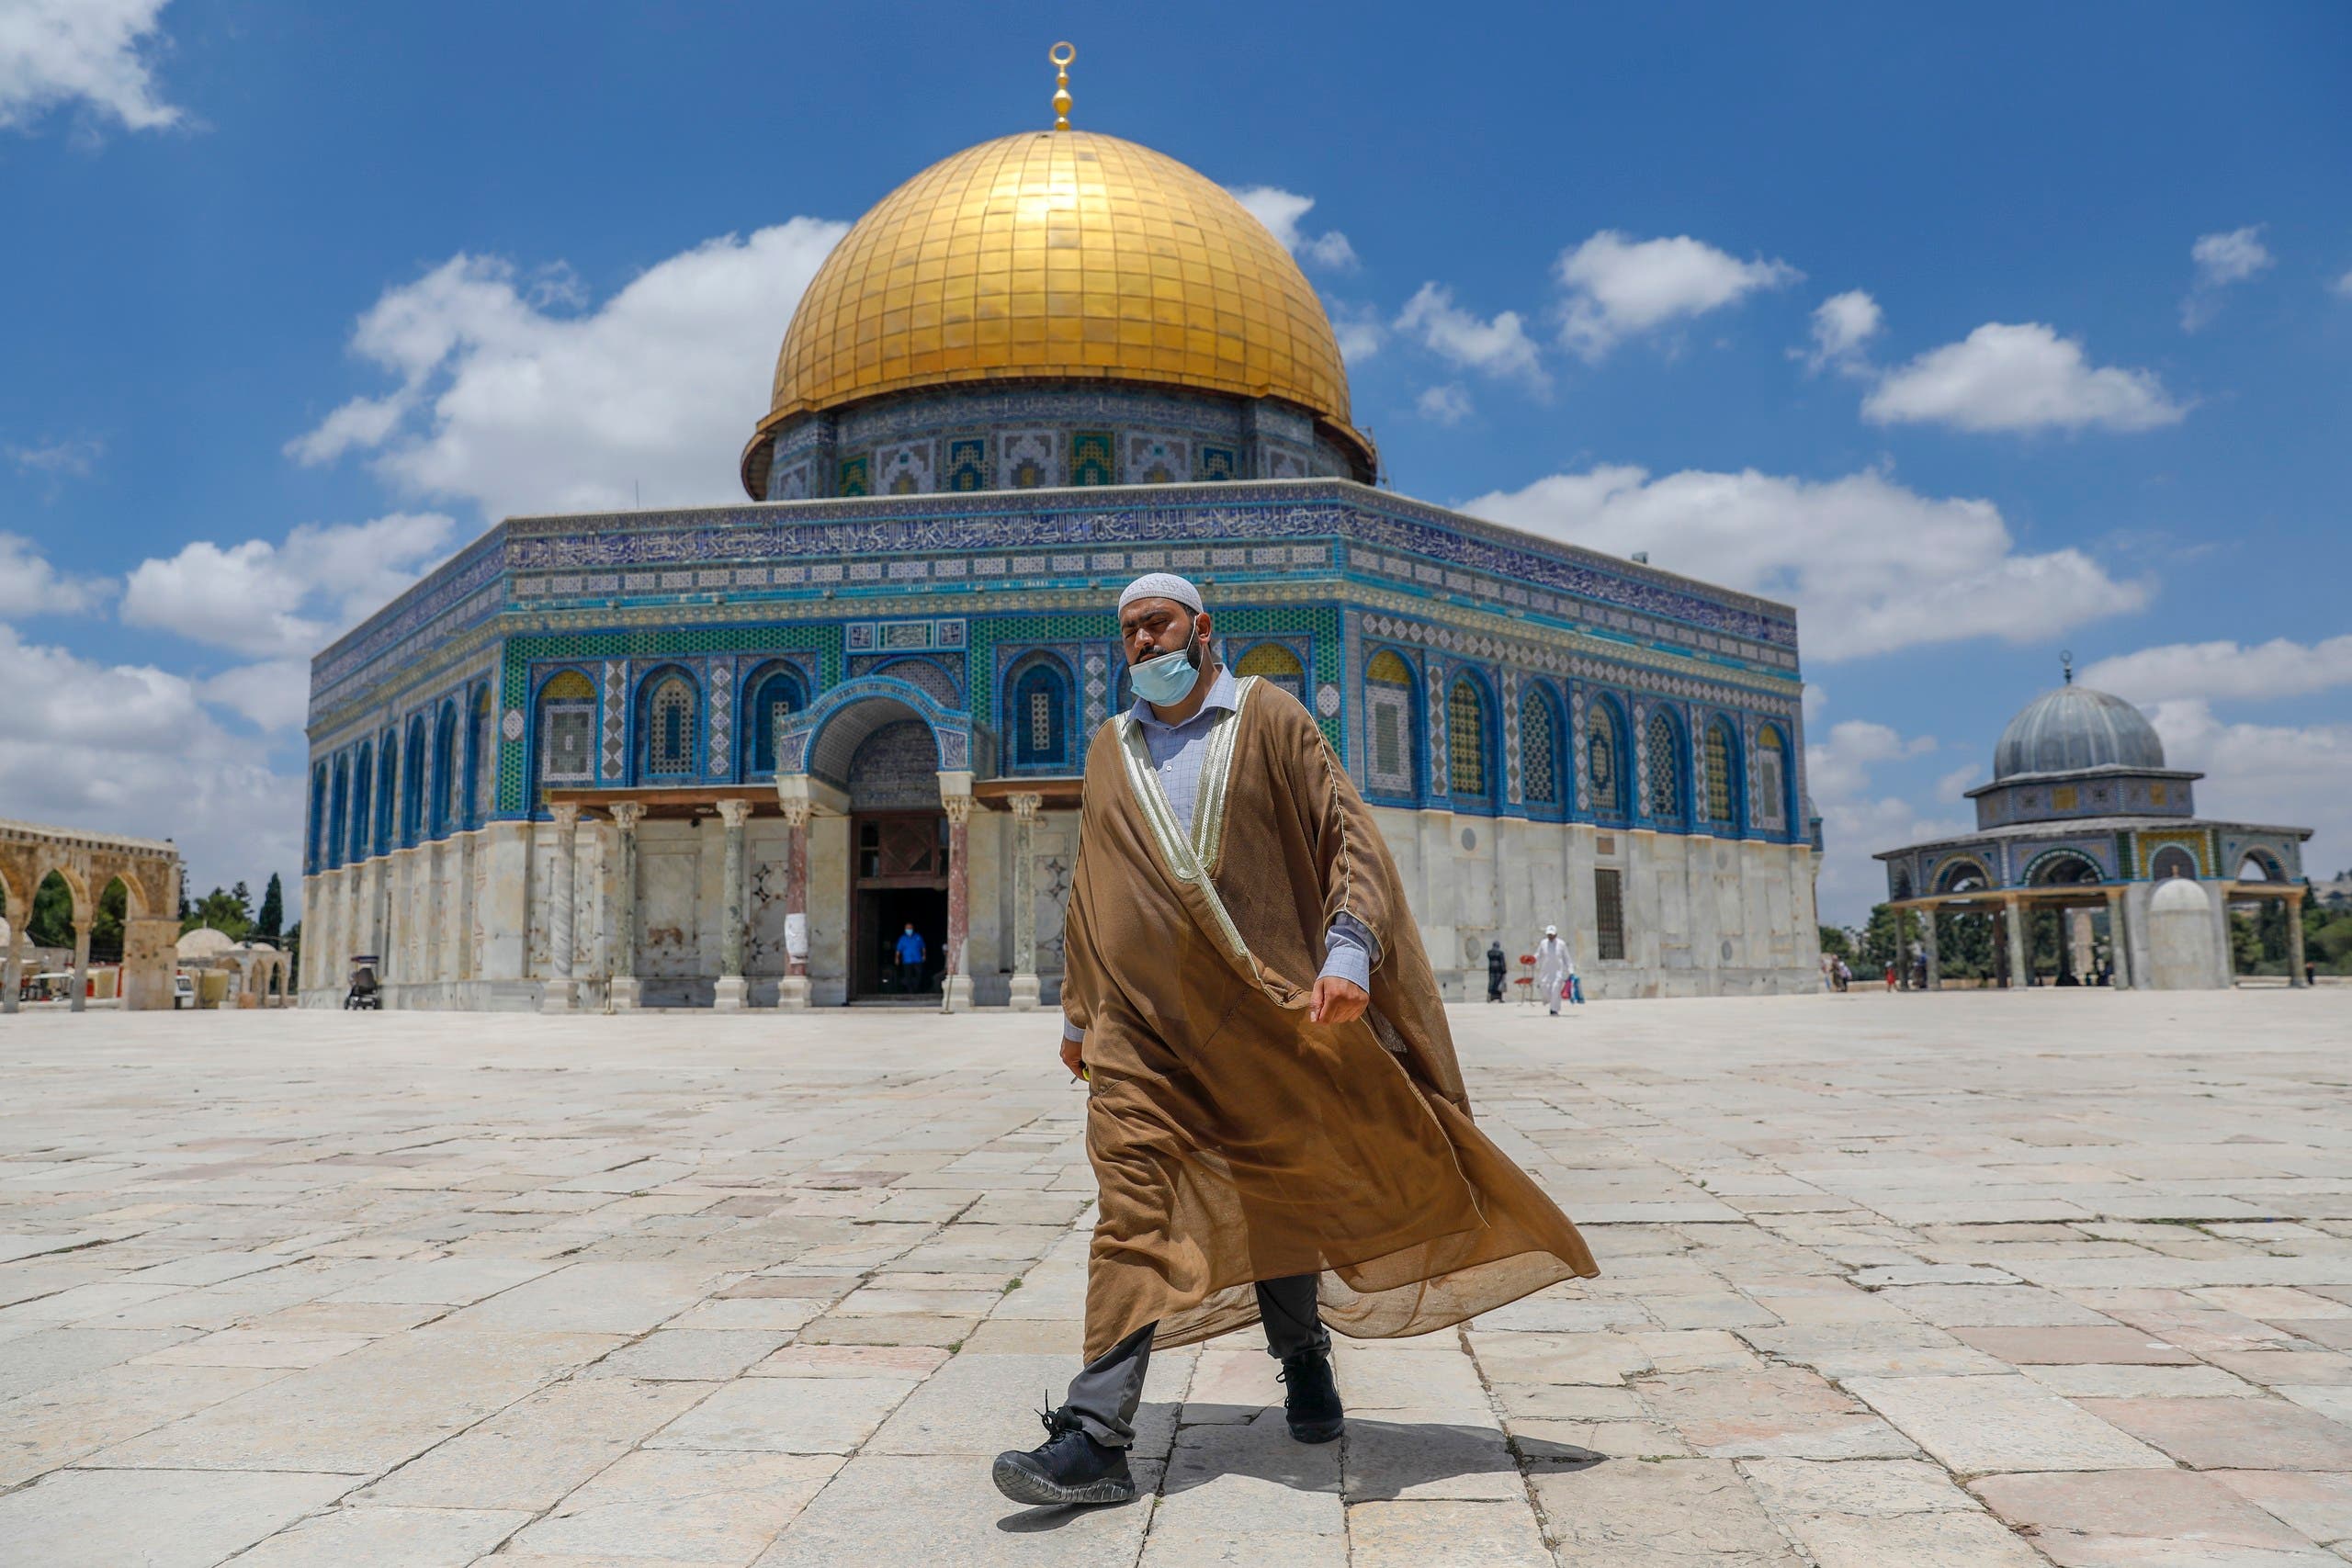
x: 1972, y: 1279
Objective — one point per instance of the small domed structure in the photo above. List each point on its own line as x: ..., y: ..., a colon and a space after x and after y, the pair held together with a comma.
x: 2073, y: 729
x: 204, y: 942
x: 2083, y: 823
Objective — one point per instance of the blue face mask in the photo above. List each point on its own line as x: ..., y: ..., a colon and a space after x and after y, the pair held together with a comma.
x: 1166, y: 680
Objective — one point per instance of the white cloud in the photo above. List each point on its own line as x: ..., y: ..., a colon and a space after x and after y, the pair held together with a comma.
x: 1618, y: 287
x: 129, y: 749
x: 58, y: 459
x: 2343, y: 286
x: 1859, y: 818
x: 1358, y: 331
x: 1496, y: 347
x: 2276, y: 774
x: 273, y: 695
x: 1448, y: 405
x: 2197, y: 671
x: 1841, y: 325
x: 2022, y: 376
x: 55, y: 52
x: 285, y: 601
x: 1871, y: 564
x: 31, y: 586
x: 511, y: 399
x: 2220, y: 260
x: 1280, y: 210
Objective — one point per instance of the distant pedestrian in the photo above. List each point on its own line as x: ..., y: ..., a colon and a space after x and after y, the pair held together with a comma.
x: 1555, y: 970
x: 911, y: 954
x: 1844, y: 976
x: 1497, y: 970
x: 1890, y: 973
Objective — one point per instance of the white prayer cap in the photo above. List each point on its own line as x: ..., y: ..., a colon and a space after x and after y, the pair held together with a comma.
x: 1551, y: 931
x: 1163, y: 585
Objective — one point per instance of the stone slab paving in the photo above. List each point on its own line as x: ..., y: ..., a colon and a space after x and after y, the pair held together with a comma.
x: 1904, y: 1281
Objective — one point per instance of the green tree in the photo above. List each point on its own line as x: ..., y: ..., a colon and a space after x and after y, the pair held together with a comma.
x: 52, y: 919
x: 224, y: 912
x: 1837, y: 941
x: 268, y: 924
x: 1878, y: 944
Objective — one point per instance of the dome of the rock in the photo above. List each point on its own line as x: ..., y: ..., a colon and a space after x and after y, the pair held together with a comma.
x: 1059, y: 256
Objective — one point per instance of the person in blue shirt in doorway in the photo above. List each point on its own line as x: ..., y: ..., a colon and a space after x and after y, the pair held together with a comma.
x: 910, y: 955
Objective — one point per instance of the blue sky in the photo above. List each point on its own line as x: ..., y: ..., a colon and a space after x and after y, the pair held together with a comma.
x: 1979, y: 335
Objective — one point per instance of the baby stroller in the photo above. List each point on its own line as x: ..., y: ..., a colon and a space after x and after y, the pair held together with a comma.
x: 365, y: 991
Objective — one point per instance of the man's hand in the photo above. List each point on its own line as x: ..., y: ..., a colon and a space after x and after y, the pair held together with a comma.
x: 1073, y: 1056
x: 1337, y: 1000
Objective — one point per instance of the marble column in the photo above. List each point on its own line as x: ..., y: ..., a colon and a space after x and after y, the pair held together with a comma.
x: 2013, y: 916
x: 1928, y: 946
x: 558, y: 997
x: 625, y: 993
x: 792, y: 991
x: 81, y: 968
x: 2295, y: 939
x: 1025, y: 900
x: 1902, y: 949
x: 730, y: 994
x: 2117, y: 943
x: 955, y: 984
x: 13, y: 969
x: 12, y: 973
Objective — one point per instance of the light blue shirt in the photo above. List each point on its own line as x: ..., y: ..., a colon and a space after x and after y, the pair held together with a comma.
x: 1177, y: 751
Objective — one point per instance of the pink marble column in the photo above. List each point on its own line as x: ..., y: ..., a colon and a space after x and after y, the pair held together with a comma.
x: 792, y: 993
x: 955, y: 986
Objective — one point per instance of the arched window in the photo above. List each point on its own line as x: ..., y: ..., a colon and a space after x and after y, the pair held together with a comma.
x: 1465, y: 740
x: 1771, y: 779
x: 477, y: 752
x: 387, y: 776
x: 568, y: 730
x: 363, y: 788
x: 1722, y: 776
x: 412, y: 796
x: 1539, y: 749
x: 1039, y: 718
x: 1661, y: 756
x: 1390, y: 728
x: 445, y: 770
x: 1605, y: 759
x: 2173, y: 861
x: 1274, y: 663
x: 337, y: 808
x: 775, y: 697
x: 669, y: 727
x: 318, y: 818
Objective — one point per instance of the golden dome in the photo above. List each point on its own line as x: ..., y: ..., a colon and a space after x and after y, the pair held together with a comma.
x: 1060, y: 254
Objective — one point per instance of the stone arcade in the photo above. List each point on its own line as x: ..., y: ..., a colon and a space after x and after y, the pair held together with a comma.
x: 720, y: 757
x: 148, y: 870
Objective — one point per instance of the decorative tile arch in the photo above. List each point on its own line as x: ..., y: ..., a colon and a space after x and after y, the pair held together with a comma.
x: 669, y: 725
x: 799, y: 749
x: 777, y: 689
x: 1666, y: 794
x: 1470, y: 749
x: 1610, y: 766
x: 1542, y: 751
x: 1392, y: 724
x: 1040, y: 727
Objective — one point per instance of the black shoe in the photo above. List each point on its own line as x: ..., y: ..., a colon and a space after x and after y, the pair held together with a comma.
x: 1068, y: 1467
x: 1311, y: 1403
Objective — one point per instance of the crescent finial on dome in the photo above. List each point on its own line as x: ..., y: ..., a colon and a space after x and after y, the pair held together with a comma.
x: 1061, y: 55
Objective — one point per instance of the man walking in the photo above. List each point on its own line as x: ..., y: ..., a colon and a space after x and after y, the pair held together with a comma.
x: 1555, y: 971
x: 911, y: 954
x: 1497, y: 970
x: 1276, y: 1122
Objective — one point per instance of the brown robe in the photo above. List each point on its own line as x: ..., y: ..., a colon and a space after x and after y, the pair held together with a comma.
x: 1233, y: 1140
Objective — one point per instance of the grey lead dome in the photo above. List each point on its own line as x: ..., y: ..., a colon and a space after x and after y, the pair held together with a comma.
x: 2074, y: 728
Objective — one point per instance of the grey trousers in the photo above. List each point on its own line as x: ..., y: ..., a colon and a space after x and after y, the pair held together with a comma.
x: 1106, y: 1391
